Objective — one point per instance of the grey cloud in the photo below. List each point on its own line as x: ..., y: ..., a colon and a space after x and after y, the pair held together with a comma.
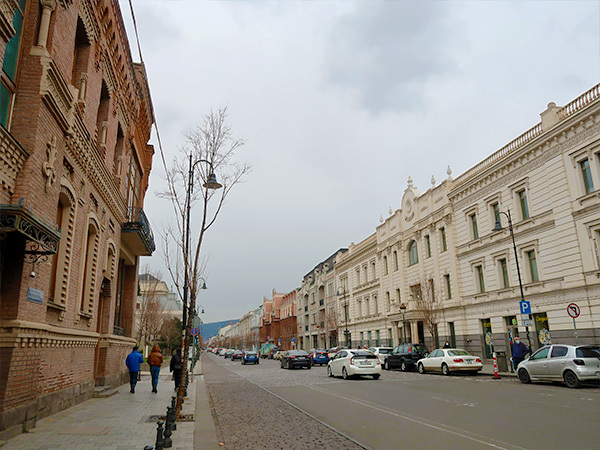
x: 386, y: 52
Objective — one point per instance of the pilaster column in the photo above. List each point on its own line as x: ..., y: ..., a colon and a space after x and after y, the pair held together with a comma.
x: 47, y: 7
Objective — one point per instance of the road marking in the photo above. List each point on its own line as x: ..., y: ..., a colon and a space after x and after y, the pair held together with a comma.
x: 421, y: 421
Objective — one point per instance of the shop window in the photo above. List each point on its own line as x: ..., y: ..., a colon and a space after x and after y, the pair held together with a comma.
x: 486, y: 326
x: 542, y: 329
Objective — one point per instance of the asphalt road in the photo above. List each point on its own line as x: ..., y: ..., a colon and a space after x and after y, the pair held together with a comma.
x: 409, y: 410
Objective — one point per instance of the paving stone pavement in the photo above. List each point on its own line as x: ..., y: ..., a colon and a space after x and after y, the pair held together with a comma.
x: 248, y: 417
x: 119, y: 422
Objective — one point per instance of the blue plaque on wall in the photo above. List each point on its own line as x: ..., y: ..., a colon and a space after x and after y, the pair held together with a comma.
x: 35, y: 295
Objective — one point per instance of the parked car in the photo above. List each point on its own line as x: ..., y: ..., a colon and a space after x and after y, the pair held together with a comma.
x: 237, y: 354
x: 381, y: 352
x: 250, y: 357
x: 228, y: 354
x: 332, y: 351
x: 348, y: 363
x: 447, y: 360
x: 571, y: 364
x: 405, y: 356
x: 295, y: 358
x: 319, y: 356
x: 222, y: 352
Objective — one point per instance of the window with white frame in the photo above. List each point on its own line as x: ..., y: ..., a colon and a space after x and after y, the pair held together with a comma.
x: 586, y: 174
x: 388, y: 301
x: 523, y: 203
x: 427, y: 246
x: 448, y: 286
x: 359, y: 308
x: 385, y: 265
x: 532, y: 265
x: 443, y: 240
x: 495, y: 212
x: 398, y: 299
x: 504, y: 281
x: 479, y: 278
x: 473, y: 225
x: 373, y: 270
x: 413, y: 255
x: 396, y: 260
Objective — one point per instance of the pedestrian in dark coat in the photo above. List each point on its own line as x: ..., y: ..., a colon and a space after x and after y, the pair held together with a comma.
x: 447, y: 345
x: 176, y: 366
x: 133, y: 361
x: 155, y: 360
x: 519, y: 351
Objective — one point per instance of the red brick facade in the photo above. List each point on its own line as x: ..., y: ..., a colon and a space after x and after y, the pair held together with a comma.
x: 278, y: 323
x: 74, y: 167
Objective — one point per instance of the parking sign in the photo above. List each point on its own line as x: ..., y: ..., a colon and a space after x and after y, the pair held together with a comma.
x: 525, y: 307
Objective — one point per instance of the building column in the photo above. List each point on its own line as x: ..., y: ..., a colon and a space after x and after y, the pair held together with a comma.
x: 47, y: 7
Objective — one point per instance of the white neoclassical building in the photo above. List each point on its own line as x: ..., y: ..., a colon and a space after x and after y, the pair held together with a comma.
x: 434, y: 270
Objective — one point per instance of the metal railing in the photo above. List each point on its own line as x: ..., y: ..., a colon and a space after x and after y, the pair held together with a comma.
x: 137, y: 221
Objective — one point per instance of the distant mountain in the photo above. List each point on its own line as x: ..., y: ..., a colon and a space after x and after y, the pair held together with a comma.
x: 211, y: 329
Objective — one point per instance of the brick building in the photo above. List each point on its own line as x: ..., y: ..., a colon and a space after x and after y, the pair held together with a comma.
x: 75, y: 116
x: 288, y: 327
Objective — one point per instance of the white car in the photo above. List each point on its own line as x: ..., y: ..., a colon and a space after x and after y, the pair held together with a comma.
x: 348, y: 363
x: 381, y: 352
x: 446, y: 360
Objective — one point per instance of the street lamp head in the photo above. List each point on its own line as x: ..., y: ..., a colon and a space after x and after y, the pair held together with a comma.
x: 203, y: 286
x: 402, y: 307
x: 497, y: 226
x: 212, y: 182
x: 202, y: 310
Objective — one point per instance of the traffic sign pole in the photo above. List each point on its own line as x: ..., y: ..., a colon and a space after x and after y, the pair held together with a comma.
x: 575, y: 328
x: 574, y: 311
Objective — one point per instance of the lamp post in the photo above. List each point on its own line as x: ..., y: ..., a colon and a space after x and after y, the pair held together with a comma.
x: 211, y: 183
x: 403, y: 311
x: 498, y: 227
x: 346, y: 331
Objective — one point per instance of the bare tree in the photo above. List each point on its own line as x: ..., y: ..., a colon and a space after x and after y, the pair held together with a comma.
x: 150, y: 318
x: 424, y: 295
x: 170, y: 333
x: 209, y: 149
x: 329, y: 322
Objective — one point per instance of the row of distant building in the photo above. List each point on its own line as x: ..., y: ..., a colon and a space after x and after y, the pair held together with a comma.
x: 444, y: 265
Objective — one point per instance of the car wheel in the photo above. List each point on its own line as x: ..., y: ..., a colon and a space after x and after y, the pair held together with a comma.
x: 329, y: 371
x: 376, y: 376
x: 257, y: 361
x: 420, y: 368
x: 524, y: 376
x: 571, y: 379
x: 344, y: 373
x: 403, y: 366
x: 445, y: 369
x: 308, y: 367
x: 386, y: 365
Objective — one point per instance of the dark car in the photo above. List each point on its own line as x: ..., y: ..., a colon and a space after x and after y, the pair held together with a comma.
x: 319, y: 357
x: 405, y: 356
x: 272, y: 352
x: 228, y: 354
x: 295, y: 358
x: 236, y: 355
x: 250, y: 357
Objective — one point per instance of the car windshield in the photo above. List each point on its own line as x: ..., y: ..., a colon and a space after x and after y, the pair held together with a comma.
x: 458, y: 353
x: 588, y: 352
x: 385, y: 350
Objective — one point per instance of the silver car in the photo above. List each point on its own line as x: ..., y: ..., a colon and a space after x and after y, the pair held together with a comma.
x: 572, y: 364
x: 381, y: 352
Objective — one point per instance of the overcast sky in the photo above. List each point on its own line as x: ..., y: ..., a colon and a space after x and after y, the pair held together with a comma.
x: 340, y: 102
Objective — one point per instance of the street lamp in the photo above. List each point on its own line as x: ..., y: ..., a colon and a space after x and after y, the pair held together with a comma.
x: 498, y: 227
x: 346, y: 332
x: 403, y: 311
x: 211, y: 183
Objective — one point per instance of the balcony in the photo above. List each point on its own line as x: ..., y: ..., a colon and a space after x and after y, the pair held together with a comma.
x: 137, y: 234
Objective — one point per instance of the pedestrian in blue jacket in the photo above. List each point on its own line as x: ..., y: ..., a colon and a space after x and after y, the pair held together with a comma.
x: 133, y: 361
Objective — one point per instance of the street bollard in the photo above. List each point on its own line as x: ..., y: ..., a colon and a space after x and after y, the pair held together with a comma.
x: 159, y: 436
x: 167, y: 441
x: 496, y: 376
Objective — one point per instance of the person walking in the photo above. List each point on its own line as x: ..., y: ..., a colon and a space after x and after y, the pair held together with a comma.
x: 519, y: 351
x: 447, y: 345
x: 175, y: 366
x: 133, y: 361
x: 155, y: 360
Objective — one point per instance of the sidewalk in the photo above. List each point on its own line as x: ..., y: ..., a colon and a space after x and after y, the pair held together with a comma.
x: 488, y: 369
x: 120, y: 422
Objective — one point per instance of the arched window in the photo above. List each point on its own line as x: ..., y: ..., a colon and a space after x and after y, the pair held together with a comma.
x: 413, y: 255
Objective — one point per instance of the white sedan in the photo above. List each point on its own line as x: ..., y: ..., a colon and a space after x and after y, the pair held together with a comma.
x: 448, y: 360
x: 349, y: 363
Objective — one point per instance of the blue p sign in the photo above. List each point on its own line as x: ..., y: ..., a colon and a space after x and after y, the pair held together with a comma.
x: 525, y: 307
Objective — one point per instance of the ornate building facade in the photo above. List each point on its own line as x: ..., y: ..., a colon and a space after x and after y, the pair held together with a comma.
x: 75, y: 116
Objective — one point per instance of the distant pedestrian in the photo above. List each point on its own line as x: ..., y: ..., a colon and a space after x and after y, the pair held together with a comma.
x: 155, y: 360
x: 519, y: 351
x: 447, y: 345
x: 176, y: 366
x: 133, y: 361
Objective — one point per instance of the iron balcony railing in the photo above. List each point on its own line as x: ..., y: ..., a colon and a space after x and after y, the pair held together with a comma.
x: 138, y: 222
